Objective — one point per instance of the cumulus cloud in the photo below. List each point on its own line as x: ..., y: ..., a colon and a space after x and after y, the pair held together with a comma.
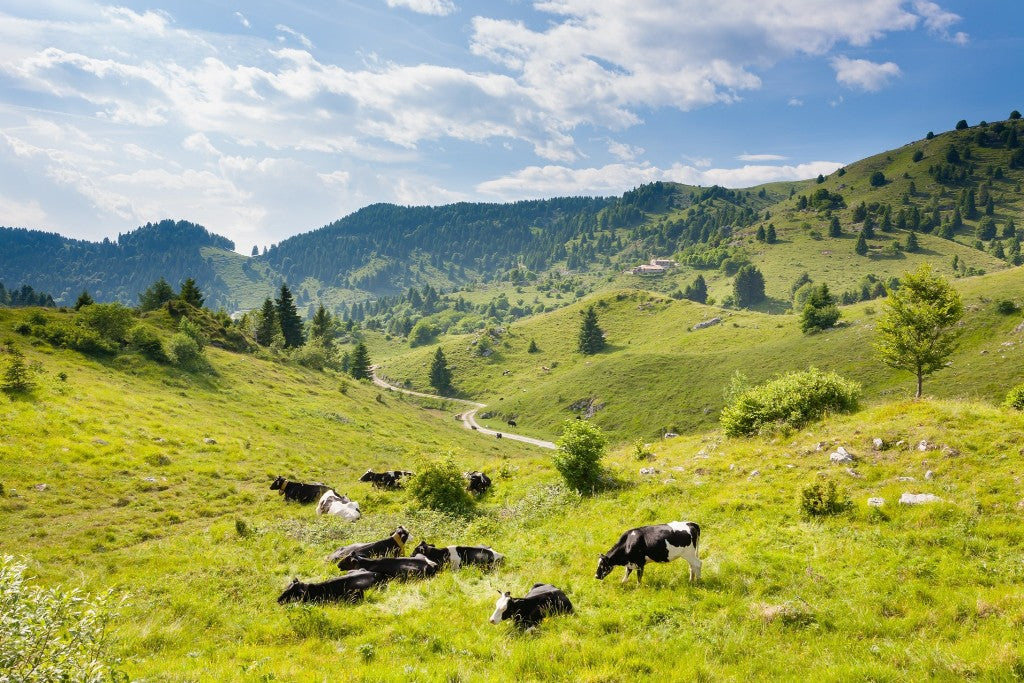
x: 242, y: 20
x: 938, y: 21
x: 438, y: 8
x: 306, y: 42
x: 761, y: 157
x: 624, y: 152
x: 864, y: 75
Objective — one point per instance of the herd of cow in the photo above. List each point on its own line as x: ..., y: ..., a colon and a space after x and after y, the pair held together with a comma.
x: 374, y: 563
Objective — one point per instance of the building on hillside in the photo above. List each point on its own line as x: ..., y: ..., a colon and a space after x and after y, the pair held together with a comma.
x: 648, y: 269
x: 663, y: 262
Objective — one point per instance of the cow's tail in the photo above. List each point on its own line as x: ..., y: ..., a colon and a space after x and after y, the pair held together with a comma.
x: 694, y: 532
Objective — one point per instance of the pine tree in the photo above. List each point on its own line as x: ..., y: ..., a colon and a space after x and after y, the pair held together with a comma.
x: 84, y: 299
x: 321, y: 327
x: 255, y: 250
x: 591, y: 338
x: 190, y: 293
x: 288, y: 318
x: 770, y: 236
x: 862, y: 246
x: 16, y: 378
x: 748, y: 286
x: 761, y: 234
x: 820, y: 310
x: 440, y: 374
x: 834, y: 228
x: 359, y: 364
x: 532, y: 348
x: 266, y: 325
x: 697, y: 290
x: 911, y: 244
x: 156, y: 295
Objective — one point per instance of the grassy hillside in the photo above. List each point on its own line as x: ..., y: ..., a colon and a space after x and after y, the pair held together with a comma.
x: 189, y: 531
x: 658, y: 375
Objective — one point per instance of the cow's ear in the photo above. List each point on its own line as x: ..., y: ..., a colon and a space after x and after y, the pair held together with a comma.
x: 508, y: 594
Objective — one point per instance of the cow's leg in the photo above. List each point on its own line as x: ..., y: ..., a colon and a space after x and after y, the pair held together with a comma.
x: 629, y: 569
x: 639, y: 573
x: 695, y: 565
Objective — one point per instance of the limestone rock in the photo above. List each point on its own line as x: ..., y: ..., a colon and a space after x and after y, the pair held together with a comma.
x: 919, y: 498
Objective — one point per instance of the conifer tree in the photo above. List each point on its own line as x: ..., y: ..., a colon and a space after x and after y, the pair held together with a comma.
x: 190, y: 293
x: 266, y: 326
x: 862, y: 246
x: 761, y: 234
x: 591, y: 338
x: 156, y: 295
x: 770, y: 235
x: 911, y: 244
x: 16, y: 377
x: 321, y: 327
x: 84, y: 299
x: 288, y: 318
x: 834, y: 228
x: 820, y: 310
x: 697, y: 290
x: 359, y: 363
x: 440, y: 373
x: 748, y: 286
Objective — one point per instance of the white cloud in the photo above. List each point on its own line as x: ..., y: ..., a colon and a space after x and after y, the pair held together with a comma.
x: 624, y: 152
x: 795, y: 102
x: 761, y: 157
x: 613, y: 179
x: 938, y: 21
x: 20, y: 214
x: 306, y: 42
x: 864, y: 75
x: 242, y: 20
x: 438, y: 8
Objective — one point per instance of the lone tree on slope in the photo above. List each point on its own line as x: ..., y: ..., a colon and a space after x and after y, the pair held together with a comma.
x: 591, y: 338
x: 288, y: 318
x: 748, y: 287
x: 359, y: 365
x: 916, y: 332
x: 440, y: 373
x: 191, y: 294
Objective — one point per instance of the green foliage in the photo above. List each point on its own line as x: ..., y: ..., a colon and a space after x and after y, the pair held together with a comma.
x: 439, y: 486
x: 110, y: 321
x: 877, y: 179
x: 792, y: 400
x: 288, y: 318
x: 359, y: 363
x: 834, y: 227
x: 185, y: 352
x: 820, y: 311
x: 748, y: 286
x: 440, y: 374
x: 916, y: 331
x: 145, y: 341
x: 422, y: 333
x: 315, y: 356
x: 818, y: 500
x: 1005, y: 307
x: 918, y: 155
x: 16, y: 378
x: 321, y: 327
x: 578, y: 458
x: 191, y: 294
x: 861, y: 248
x: 84, y: 299
x: 697, y: 290
x: 1015, y: 398
x: 911, y: 244
x: 156, y: 295
x: 641, y: 451
x: 961, y: 124
x: 591, y: 337
x: 533, y: 348
x: 266, y: 323
x: 52, y: 634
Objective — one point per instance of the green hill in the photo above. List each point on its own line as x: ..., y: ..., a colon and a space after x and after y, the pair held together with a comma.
x: 136, y: 499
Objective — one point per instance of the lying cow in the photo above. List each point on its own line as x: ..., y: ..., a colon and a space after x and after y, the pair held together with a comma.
x: 349, y: 587
x: 512, y: 423
x: 526, y: 612
x: 333, y: 504
x: 458, y: 555
x: 300, y: 493
x: 390, y: 479
x: 655, y: 543
x: 478, y: 482
x: 393, y: 546
x: 397, y: 567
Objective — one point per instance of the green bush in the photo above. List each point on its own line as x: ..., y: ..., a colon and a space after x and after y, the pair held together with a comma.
x: 791, y: 400
x: 1015, y: 399
x: 110, y: 321
x: 193, y: 331
x: 315, y: 356
x: 440, y: 486
x: 50, y: 634
x: 76, y: 337
x: 1005, y: 307
x: 817, y: 500
x: 145, y: 341
x: 185, y: 352
x: 578, y: 458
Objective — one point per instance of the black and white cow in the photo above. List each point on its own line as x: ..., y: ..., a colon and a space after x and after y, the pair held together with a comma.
x: 655, y: 543
x: 390, y: 479
x: 301, y: 493
x: 459, y: 555
x: 349, y: 587
x: 333, y: 504
x: 393, y: 546
x: 528, y: 611
x: 478, y: 482
x: 416, y: 566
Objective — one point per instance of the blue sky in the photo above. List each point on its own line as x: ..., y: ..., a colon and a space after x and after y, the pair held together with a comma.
x: 263, y: 120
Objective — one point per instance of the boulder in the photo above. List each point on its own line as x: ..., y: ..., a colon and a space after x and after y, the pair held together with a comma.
x: 929, y: 475
x: 208, y: 441
x: 877, y: 443
x: 706, y: 323
x: 648, y: 471
x: 841, y: 455
x: 919, y: 498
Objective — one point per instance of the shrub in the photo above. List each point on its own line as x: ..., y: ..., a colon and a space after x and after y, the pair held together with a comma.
x: 51, y: 634
x: 641, y: 451
x: 817, y: 500
x: 76, y: 337
x: 1015, y: 399
x: 192, y: 330
x: 147, y: 342
x: 185, y: 352
x: 1005, y: 307
x: 440, y: 486
x: 791, y: 400
x: 315, y: 356
x: 578, y: 458
x: 110, y: 321
x: 16, y: 378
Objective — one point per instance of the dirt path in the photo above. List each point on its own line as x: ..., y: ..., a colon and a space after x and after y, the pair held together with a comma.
x: 468, y: 417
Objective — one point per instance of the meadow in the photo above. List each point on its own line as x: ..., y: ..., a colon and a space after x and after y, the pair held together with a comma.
x: 137, y: 500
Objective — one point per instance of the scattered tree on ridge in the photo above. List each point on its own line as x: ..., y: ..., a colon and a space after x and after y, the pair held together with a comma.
x: 359, y: 364
x: 820, y: 310
x: 591, y: 337
x: 440, y: 373
x: 288, y: 318
x: 748, y: 286
x: 916, y: 332
x: 84, y: 299
x: 156, y: 295
x: 190, y: 293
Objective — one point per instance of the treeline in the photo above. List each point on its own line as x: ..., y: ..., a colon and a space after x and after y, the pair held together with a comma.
x: 113, y: 270
x: 24, y: 296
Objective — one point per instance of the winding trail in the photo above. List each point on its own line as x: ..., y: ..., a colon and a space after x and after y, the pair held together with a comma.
x: 468, y: 417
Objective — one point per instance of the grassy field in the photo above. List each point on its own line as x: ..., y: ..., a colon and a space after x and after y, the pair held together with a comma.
x: 136, y: 500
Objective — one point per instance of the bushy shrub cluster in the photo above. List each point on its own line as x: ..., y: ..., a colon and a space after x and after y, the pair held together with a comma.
x: 817, y: 500
x: 791, y: 400
x: 146, y: 342
x: 1015, y: 399
x: 578, y: 458
x: 440, y: 486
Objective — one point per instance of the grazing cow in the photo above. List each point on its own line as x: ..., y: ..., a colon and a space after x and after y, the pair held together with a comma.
x: 333, y: 504
x: 392, y: 546
x: 478, y: 482
x: 512, y: 423
x: 458, y: 555
x: 498, y: 435
x: 526, y: 612
x: 655, y: 543
x: 349, y: 587
x: 389, y: 479
x: 301, y: 493
x: 397, y: 567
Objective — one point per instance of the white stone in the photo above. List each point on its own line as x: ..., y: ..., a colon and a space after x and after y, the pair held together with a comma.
x: 919, y: 498
x: 841, y: 457
x: 876, y: 502
x: 755, y: 473
x: 924, y: 445
x: 648, y: 470
x: 929, y: 475
x: 878, y: 443
x: 905, y: 479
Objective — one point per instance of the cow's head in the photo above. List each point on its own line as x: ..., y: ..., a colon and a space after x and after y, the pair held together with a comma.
x: 501, y: 607
x: 422, y: 548
x: 604, y: 567
x: 278, y: 483
x: 368, y: 476
x: 347, y: 562
x: 295, y: 591
x: 402, y: 533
